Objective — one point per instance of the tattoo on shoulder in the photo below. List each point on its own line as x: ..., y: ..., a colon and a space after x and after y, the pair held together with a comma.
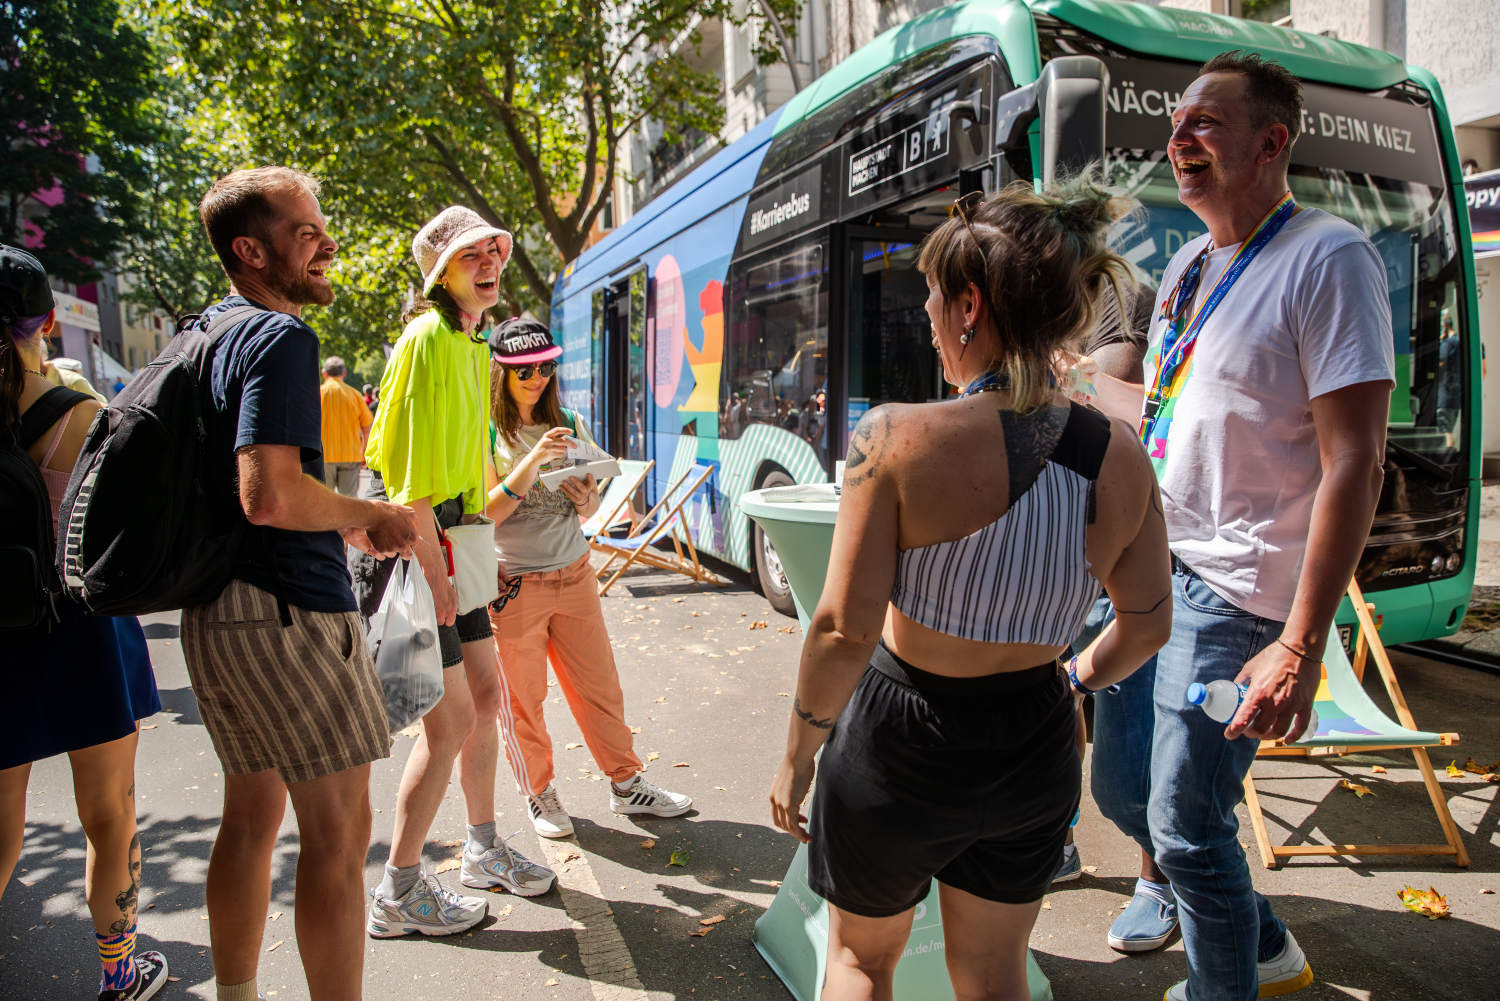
x: 866, y: 452
x: 821, y: 724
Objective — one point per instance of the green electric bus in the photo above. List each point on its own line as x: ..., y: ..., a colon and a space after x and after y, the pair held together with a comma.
x: 746, y: 317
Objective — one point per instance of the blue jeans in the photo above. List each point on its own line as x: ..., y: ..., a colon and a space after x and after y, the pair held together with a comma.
x: 1166, y: 776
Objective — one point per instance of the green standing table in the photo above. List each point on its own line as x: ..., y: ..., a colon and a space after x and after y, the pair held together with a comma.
x: 793, y: 933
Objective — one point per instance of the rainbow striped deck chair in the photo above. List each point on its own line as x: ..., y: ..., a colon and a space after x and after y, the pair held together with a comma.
x: 1350, y: 723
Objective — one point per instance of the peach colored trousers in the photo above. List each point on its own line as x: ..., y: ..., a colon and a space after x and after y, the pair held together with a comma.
x: 557, y: 615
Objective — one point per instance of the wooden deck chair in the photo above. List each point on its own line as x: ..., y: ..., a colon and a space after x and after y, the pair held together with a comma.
x: 1350, y: 723
x: 668, y: 523
x: 615, y: 507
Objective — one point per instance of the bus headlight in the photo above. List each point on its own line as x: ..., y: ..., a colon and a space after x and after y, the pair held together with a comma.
x: 1437, y: 564
x: 1454, y: 562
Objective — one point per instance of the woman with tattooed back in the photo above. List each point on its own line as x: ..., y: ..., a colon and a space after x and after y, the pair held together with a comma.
x: 972, y: 539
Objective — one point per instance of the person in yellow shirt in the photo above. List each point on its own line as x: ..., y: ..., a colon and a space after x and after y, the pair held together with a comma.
x: 346, y: 425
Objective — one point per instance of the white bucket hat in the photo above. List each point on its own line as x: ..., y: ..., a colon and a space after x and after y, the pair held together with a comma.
x: 450, y: 231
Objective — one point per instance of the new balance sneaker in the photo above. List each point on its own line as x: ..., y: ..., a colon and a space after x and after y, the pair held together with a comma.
x: 1286, y: 974
x: 505, y: 867
x: 429, y: 907
x: 643, y: 797
x: 548, y: 816
x: 1145, y: 925
x: 1072, y: 866
x: 150, y: 977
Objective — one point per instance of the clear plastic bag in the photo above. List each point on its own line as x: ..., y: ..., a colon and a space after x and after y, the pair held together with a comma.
x: 403, y: 639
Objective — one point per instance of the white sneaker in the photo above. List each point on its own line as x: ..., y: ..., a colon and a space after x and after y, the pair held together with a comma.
x: 429, y: 907
x: 643, y: 797
x: 548, y: 816
x: 1286, y: 974
x: 505, y: 867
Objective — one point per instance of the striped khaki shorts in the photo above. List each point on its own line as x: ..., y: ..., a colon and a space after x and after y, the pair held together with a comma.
x: 303, y: 700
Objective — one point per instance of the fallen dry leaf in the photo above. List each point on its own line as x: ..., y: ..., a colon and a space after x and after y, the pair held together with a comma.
x: 713, y: 920
x: 1046, y: 905
x: 679, y: 600
x: 447, y: 866
x: 1430, y: 904
x: 652, y: 756
x: 454, y: 843
x: 1454, y: 770
x: 1091, y: 868
x: 785, y: 695
x: 1356, y: 788
x: 678, y: 858
x: 504, y: 911
x: 1378, y: 769
x: 788, y: 629
x: 276, y: 945
x: 1491, y: 777
x: 682, y: 764
x: 152, y: 726
x: 571, y: 856
x: 700, y: 932
x: 551, y: 982
x: 174, y: 979
x: 635, y: 729
x: 571, y: 747
x: 1486, y: 891
x: 758, y: 625
x: 721, y: 788
x: 773, y: 882
x: 1473, y: 766
x: 648, y: 844
x: 275, y: 916
x: 662, y: 699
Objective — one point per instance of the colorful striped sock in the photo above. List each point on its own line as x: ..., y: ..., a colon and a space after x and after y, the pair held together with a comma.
x: 117, y: 954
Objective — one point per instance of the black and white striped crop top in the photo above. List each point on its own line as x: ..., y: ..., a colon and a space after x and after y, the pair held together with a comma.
x: 1023, y: 578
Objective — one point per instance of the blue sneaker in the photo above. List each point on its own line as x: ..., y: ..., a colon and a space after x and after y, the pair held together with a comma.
x: 1071, y: 868
x: 1146, y: 924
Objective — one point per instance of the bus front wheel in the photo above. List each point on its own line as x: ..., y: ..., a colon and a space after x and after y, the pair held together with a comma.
x: 768, y: 571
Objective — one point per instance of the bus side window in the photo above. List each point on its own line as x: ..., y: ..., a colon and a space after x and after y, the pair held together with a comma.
x: 776, y: 352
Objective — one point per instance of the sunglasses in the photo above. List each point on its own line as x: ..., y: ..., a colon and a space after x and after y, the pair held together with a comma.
x: 965, y: 206
x: 498, y: 605
x: 523, y: 372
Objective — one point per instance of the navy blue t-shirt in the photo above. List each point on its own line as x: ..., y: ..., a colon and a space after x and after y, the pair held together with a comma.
x: 264, y: 384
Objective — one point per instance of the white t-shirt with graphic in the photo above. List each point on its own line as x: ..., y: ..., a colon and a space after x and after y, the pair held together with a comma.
x: 1309, y: 315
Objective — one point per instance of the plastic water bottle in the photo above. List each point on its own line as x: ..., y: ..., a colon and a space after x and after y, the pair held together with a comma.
x: 1221, y: 700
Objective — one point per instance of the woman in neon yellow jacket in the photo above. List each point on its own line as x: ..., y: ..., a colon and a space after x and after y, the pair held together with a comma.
x: 427, y: 449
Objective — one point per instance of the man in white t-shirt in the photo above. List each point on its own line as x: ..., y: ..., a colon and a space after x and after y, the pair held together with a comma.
x: 1267, y: 431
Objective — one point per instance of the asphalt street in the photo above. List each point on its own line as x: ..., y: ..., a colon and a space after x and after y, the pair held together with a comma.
x: 707, y: 674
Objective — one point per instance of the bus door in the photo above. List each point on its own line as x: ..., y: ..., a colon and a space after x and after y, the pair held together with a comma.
x: 626, y: 411
x: 888, y: 352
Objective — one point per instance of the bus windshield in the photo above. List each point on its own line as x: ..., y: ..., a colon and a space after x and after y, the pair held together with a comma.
x: 1412, y: 226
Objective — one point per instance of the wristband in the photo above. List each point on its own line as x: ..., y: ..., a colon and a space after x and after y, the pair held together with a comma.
x: 509, y: 492
x: 1299, y: 653
x: 1078, y: 685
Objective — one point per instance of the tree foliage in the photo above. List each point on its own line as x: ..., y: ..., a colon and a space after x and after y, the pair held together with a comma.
x: 517, y: 109
x: 76, y: 88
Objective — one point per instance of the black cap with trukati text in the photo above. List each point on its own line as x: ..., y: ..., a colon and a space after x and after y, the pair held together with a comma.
x: 23, y: 286
x: 522, y: 342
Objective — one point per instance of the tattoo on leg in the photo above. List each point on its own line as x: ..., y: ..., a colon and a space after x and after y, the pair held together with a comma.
x: 821, y: 724
x: 127, y: 899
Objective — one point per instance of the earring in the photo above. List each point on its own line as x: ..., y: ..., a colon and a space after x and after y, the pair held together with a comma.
x: 964, y: 339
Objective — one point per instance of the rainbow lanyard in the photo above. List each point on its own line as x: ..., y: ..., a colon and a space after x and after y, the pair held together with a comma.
x: 1181, y: 337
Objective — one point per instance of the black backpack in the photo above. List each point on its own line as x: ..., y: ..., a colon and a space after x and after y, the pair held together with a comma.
x: 145, y: 525
x: 28, y: 581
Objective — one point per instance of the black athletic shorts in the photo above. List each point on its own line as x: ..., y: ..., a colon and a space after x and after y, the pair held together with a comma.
x: 371, y: 576
x: 970, y: 780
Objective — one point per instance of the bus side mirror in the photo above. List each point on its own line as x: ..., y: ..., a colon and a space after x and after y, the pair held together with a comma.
x: 1069, y: 98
